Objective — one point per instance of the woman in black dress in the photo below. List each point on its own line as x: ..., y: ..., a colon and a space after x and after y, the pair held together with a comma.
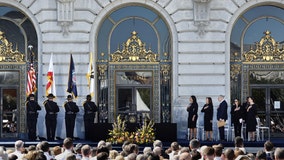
x: 237, y: 113
x: 192, y: 116
x: 208, y: 118
x: 250, y: 119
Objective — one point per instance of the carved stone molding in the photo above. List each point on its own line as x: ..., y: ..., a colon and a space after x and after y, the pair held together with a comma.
x: 201, y: 10
x: 65, y: 14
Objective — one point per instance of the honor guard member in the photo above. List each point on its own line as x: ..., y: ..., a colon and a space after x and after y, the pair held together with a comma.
x: 90, y: 109
x: 52, y: 109
x: 71, y: 110
x: 32, y: 114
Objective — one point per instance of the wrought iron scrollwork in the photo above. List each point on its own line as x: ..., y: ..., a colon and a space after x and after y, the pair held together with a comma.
x: 266, y: 50
x: 134, y: 50
x: 7, y: 54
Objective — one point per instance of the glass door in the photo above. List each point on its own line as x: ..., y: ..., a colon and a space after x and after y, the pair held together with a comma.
x: 134, y: 103
x: 277, y: 111
x: 9, y: 102
x: 9, y: 112
x: 270, y: 102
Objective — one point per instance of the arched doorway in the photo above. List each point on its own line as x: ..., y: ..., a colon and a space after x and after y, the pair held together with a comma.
x: 256, y: 63
x: 18, y: 41
x: 143, y: 31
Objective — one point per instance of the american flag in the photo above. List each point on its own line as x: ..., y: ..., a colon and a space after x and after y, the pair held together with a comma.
x: 31, y: 84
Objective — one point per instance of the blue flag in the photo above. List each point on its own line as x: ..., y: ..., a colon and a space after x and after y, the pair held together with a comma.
x: 72, y: 88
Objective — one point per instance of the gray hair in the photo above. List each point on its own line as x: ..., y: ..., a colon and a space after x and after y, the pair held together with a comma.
x: 19, y: 144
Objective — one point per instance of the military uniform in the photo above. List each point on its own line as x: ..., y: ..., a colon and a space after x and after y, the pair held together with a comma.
x: 71, y: 110
x: 51, y: 117
x: 90, y: 109
x: 32, y: 107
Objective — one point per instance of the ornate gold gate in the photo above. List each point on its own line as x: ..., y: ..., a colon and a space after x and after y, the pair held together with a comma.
x: 134, y: 83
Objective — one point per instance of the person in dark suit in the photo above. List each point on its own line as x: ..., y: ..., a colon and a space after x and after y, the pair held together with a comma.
x: 222, y: 115
x: 32, y: 107
x: 192, y: 110
x: 52, y: 109
x: 237, y: 114
x: 71, y: 109
x: 90, y: 109
x: 208, y: 118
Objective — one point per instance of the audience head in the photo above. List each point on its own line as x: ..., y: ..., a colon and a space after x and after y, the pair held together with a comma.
x: 238, y: 152
x: 229, y: 154
x: 279, y: 153
x: 184, y: 149
x: 194, y: 144
x: 31, y: 148
x: 239, y: 142
x: 158, y: 151
x: 44, y: 146
x: 86, y: 151
x: 157, y: 143
x: 195, y: 155
x: 56, y: 150
x: 185, y: 156
x: 141, y: 157
x: 113, y: 154
x: 242, y: 157
x: 94, y: 151
x: 19, y: 145
x: 39, y: 155
x: 260, y: 155
x: 174, y: 146
x: 102, y: 149
x: 218, y: 150
x: 209, y: 153
x: 101, y: 143
x: 12, y: 157
x: 268, y: 146
x: 251, y: 156
x: 132, y: 156
x: 153, y: 156
x: 68, y: 143
x: 120, y: 157
x: 202, y: 148
x: 78, y: 148
x: 102, y: 156
x: 70, y: 156
x: 147, y: 150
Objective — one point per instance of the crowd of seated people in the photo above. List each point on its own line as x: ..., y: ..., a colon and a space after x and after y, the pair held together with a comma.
x: 130, y: 151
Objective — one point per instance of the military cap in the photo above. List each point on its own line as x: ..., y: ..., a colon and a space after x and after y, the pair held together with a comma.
x: 69, y: 97
x: 50, y: 95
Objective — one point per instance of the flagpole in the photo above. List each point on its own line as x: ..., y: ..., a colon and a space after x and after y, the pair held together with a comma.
x: 31, y: 53
x: 31, y: 79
